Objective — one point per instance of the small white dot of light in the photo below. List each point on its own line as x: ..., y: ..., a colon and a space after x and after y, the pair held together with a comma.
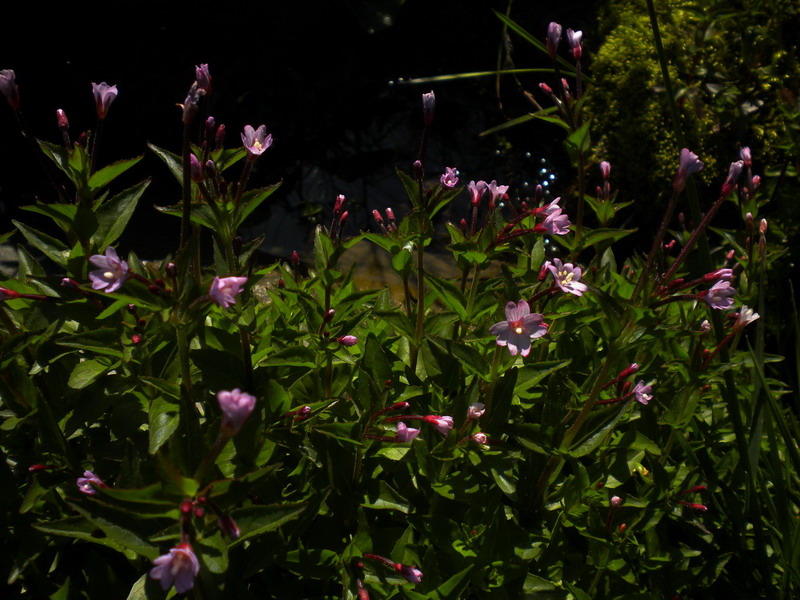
x: 543, y: 171
x: 497, y: 152
x: 525, y: 184
x: 501, y: 204
x: 543, y: 160
x: 545, y: 183
x: 552, y: 177
x: 391, y: 82
x: 527, y: 155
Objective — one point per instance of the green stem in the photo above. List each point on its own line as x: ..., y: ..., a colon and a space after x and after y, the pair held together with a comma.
x: 187, y: 189
x: 662, y: 230
x: 183, y: 355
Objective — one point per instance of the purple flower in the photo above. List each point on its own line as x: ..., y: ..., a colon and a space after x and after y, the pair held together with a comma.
x: 718, y: 275
x: 566, y: 277
x: 112, y: 272
x: 733, y: 176
x: 347, y: 340
x: 689, y: 163
x: 229, y: 527
x: 719, y: 296
x: 605, y: 169
x: 642, y: 393
x: 179, y: 567
x: 104, y: 95
x: 480, y: 438
x: 574, y: 38
x: 256, y: 140
x: 428, y: 104
x: 744, y: 154
x: 450, y: 177
x: 519, y: 328
x: 89, y: 482
x: 223, y: 290
x: 203, y: 78
x: 556, y: 223
x: 497, y: 192
x: 195, y: 168
x: 236, y: 406
x: 553, y: 38
x: 405, y: 433
x: 476, y: 191
x: 9, y: 88
x: 442, y: 424
x: 412, y: 574
x: 744, y: 318
x: 475, y: 411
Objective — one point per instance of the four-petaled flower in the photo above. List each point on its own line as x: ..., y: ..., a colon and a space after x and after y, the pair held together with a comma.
x: 566, y: 277
x: 520, y: 327
x: 223, y: 290
x: 553, y: 38
x: 449, y: 178
x: 719, y: 296
x: 442, y: 424
x: 236, y: 406
x: 104, y: 95
x: 405, y: 433
x: 476, y: 191
x: 689, y: 163
x: 642, y: 393
x: 9, y: 88
x: 475, y: 411
x: 744, y: 318
x: 256, y: 140
x: 203, y: 78
x: 412, y: 574
x: 179, y: 567
x: 556, y: 223
x: 496, y: 192
x: 112, y: 272
x: 89, y: 482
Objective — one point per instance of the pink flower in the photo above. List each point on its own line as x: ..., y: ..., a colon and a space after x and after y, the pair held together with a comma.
x: 428, y: 104
x: 566, y: 277
x: 203, y: 78
x: 497, y: 192
x: 475, y: 411
x: 476, y: 191
x: 9, y: 88
x: 223, y: 290
x: 733, y: 176
x: 112, y: 272
x: 256, y: 140
x: 104, y: 95
x: 405, y: 433
x: 480, y: 438
x: 442, y: 424
x: 556, y: 222
x: 719, y: 296
x: 347, y: 340
x: 236, y: 406
x: 718, y: 275
x: 744, y: 154
x: 412, y: 574
x: 553, y: 38
x: 195, y: 168
x: 519, y: 328
x: 605, y: 169
x: 449, y: 178
x: 615, y: 502
x: 744, y: 318
x: 179, y: 567
x: 642, y: 393
x: 89, y: 482
x: 689, y: 163
x: 574, y: 38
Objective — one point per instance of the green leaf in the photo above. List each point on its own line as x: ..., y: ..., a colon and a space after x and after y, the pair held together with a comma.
x: 86, y: 373
x: 78, y: 528
x: 164, y: 420
x: 448, y: 293
x: 173, y: 161
x: 52, y: 248
x: 118, y: 532
x: 251, y: 200
x: 257, y: 520
x: 383, y: 496
x: 454, y: 586
x: 113, y: 216
x: 109, y: 173
x: 70, y: 217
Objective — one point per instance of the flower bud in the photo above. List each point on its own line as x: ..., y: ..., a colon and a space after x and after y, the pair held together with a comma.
x: 390, y: 214
x: 229, y: 527
x: 328, y: 316
x: 295, y: 259
x: 605, y: 169
x: 9, y: 88
x: 553, y: 38
x: 211, y: 169
x: 338, y: 204
x: 219, y: 138
x: 186, y: 507
x: 136, y: 339
x: 418, y: 171
x: 762, y: 227
x: 480, y: 438
x: 546, y: 88
x: 347, y: 340
x: 343, y: 219
x: 196, y: 169
x: 377, y: 216
x: 63, y: 122
x: 428, y: 105
x: 615, y: 502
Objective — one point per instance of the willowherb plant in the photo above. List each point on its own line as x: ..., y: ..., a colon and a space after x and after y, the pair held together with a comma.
x: 243, y: 431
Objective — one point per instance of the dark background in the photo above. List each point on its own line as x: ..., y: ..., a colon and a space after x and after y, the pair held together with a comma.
x: 325, y: 77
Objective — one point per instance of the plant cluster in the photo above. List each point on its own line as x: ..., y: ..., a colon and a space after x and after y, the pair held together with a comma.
x: 559, y: 421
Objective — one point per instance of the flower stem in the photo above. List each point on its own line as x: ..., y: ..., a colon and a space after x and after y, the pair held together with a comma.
x: 695, y: 235
x: 662, y: 229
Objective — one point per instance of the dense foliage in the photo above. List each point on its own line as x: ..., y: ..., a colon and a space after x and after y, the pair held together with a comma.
x: 558, y: 420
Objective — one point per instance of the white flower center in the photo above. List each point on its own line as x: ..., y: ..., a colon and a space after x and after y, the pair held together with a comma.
x: 108, y: 274
x: 257, y: 145
x: 518, y: 329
